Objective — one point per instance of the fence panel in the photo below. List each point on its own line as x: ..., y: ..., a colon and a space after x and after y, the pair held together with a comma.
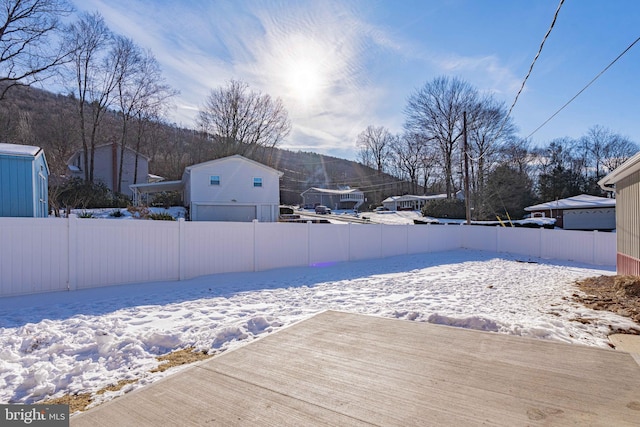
x: 281, y: 245
x: 365, y: 241
x: 33, y: 255
x: 521, y: 241
x: 215, y: 247
x: 120, y: 251
x: 328, y: 243
x: 395, y: 240
x: 481, y: 238
x: 41, y: 255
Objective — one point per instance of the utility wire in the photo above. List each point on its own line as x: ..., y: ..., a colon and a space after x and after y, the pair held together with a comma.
x: 544, y: 39
x: 585, y: 88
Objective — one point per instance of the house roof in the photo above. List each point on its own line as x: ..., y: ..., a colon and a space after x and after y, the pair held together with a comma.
x: 109, y: 145
x: 18, y: 149
x: 632, y: 165
x: 411, y: 197
x: 188, y: 169
x: 157, y: 187
x: 583, y: 201
x: 330, y: 191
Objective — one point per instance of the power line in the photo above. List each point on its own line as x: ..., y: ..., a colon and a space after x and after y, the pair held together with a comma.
x: 585, y: 88
x: 544, y: 39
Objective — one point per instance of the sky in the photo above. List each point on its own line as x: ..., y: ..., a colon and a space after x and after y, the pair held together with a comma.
x: 340, y: 66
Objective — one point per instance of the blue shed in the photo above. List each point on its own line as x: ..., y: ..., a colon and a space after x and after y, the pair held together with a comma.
x: 24, y: 181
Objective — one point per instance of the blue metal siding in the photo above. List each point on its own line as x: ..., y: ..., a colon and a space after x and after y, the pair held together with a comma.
x: 16, y: 186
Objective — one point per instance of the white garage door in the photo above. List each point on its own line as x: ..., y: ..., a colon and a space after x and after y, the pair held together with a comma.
x: 224, y: 213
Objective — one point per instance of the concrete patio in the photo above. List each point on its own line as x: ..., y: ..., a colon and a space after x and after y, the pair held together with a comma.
x: 343, y: 369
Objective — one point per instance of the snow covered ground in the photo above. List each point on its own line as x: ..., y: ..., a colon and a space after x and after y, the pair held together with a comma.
x: 77, y: 342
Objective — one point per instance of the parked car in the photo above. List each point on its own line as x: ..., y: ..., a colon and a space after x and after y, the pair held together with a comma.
x: 322, y: 210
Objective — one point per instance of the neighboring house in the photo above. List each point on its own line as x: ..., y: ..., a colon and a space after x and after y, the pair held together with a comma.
x: 625, y: 181
x: 232, y: 188
x: 345, y: 198
x: 24, y: 181
x: 409, y: 202
x: 106, y: 167
x: 583, y: 212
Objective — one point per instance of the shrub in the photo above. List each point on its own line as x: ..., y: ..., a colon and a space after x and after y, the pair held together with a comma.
x: 445, y: 208
x: 162, y: 216
x: 140, y: 212
x: 116, y: 213
x: 167, y: 199
x: 85, y: 214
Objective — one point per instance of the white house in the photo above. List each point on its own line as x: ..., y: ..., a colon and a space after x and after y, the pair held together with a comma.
x: 414, y: 203
x: 231, y: 188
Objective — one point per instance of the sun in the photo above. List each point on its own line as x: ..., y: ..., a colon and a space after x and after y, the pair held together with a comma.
x: 305, y: 69
x: 305, y: 80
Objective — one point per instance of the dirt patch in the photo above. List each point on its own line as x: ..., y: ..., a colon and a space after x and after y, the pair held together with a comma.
x: 180, y: 357
x: 618, y: 294
x: 80, y: 401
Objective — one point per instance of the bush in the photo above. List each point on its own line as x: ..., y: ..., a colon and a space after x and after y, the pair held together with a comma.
x: 75, y: 193
x: 162, y: 216
x: 445, y: 208
x: 166, y: 199
x: 85, y: 214
x: 117, y: 213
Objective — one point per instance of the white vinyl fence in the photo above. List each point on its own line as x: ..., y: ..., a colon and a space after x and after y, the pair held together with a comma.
x: 54, y: 254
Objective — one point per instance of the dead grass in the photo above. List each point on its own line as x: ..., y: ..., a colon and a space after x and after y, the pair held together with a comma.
x: 80, y: 401
x: 180, y: 357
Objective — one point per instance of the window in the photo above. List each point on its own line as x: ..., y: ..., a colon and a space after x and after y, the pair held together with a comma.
x: 257, y: 182
x: 214, y: 180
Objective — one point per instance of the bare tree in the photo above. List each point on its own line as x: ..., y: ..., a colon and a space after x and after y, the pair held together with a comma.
x: 28, y: 47
x: 241, y: 121
x: 488, y: 130
x: 375, y: 146
x: 95, y: 75
x: 410, y: 151
x: 435, y: 113
x: 604, y: 150
x: 140, y: 92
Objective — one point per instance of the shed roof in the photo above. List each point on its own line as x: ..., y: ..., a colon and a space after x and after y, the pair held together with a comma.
x: 583, y: 201
x: 18, y: 149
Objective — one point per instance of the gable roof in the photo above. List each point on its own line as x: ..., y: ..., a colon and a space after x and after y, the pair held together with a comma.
x: 632, y: 165
x: 188, y: 169
x: 583, y: 201
x: 19, y: 150
x: 330, y: 191
x: 109, y: 145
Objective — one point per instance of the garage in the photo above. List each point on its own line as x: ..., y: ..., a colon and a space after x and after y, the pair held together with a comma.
x: 245, y: 213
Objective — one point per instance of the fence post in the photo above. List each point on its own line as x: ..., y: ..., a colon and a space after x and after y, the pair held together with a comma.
x: 72, y: 255
x: 349, y: 243
x: 594, y: 243
x: 308, y: 242
x: 181, y: 247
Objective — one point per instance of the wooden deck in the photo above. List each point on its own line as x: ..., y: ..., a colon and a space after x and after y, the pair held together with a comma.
x: 342, y: 369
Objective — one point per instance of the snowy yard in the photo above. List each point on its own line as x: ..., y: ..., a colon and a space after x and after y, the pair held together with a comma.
x: 77, y: 342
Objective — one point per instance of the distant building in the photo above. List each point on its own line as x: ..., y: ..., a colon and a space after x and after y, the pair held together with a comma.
x: 24, y: 181
x: 345, y: 198
x: 625, y: 181
x: 583, y: 212
x: 409, y: 202
x: 106, y: 167
x: 231, y: 188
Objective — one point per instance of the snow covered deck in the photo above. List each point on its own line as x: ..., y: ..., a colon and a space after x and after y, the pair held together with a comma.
x: 347, y: 369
